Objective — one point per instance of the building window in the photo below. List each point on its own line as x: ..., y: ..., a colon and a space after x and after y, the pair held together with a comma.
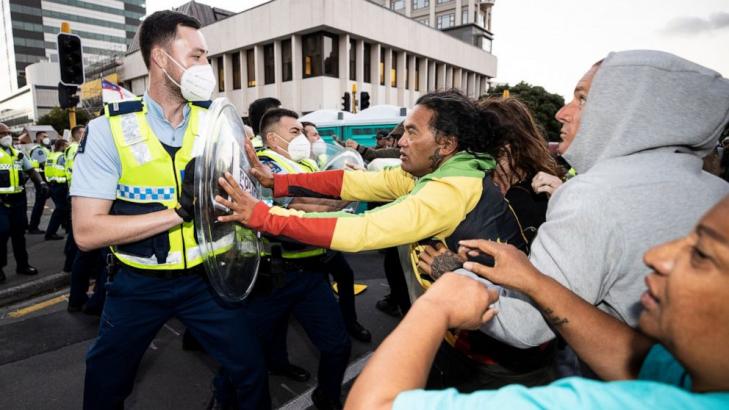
x: 382, y: 65
x: 367, y: 60
x: 486, y: 44
x: 320, y: 53
x: 221, y: 74
x: 445, y: 21
x: 464, y: 15
x: 236, y: 70
x: 407, y: 72
x: 269, y: 65
x: 353, y: 60
x: 286, y: 61
x: 393, y: 69
x: 419, y: 4
x: 417, y: 74
x: 251, y: 67
x: 397, y: 5
x: 443, y: 1
x: 331, y: 54
x: 425, y: 20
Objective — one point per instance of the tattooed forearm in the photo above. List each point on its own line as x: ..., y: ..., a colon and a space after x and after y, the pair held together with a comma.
x: 553, y: 319
x: 446, y: 262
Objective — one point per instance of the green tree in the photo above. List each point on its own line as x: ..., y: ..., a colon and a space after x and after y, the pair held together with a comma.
x: 58, y: 119
x: 543, y: 104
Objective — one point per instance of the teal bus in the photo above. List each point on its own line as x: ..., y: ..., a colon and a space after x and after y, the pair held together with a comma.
x: 361, y: 127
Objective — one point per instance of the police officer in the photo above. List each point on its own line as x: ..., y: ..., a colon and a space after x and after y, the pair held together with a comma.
x: 132, y: 191
x: 70, y: 249
x: 82, y: 265
x: 38, y: 156
x: 13, y: 203
x: 55, y: 173
x: 296, y: 275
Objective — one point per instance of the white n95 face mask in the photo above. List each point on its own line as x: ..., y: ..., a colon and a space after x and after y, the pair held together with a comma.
x: 46, y: 141
x: 319, y: 147
x: 197, y: 82
x: 6, y: 141
x: 299, y: 148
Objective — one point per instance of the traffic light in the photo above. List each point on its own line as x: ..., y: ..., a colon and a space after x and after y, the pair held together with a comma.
x: 70, y: 59
x: 364, y: 100
x: 346, y: 102
x: 67, y: 95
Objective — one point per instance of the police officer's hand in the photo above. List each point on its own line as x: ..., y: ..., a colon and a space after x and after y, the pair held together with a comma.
x: 241, y: 202
x: 463, y: 301
x: 186, y: 208
x: 512, y: 268
x: 258, y: 170
x: 44, y: 189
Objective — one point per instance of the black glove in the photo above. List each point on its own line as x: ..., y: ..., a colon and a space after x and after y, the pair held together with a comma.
x: 186, y: 207
x: 44, y: 190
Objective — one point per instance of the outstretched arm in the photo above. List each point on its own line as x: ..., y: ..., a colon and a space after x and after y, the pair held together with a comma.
x: 403, y: 360
x: 435, y: 209
x: 612, y: 349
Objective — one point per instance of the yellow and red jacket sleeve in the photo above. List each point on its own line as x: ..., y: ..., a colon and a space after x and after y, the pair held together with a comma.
x: 433, y: 209
x: 383, y: 186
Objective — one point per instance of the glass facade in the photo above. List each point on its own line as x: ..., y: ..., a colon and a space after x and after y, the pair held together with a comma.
x: 382, y: 65
x: 251, y: 67
x: 445, y: 21
x: 287, y: 68
x: 320, y: 55
x: 353, y: 60
x: 269, y: 66
x: 367, y: 63
x: 220, y: 64
x: 420, y: 4
x: 393, y: 69
x: 235, y: 57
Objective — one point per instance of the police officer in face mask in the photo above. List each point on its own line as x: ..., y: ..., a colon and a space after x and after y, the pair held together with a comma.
x: 13, y: 203
x: 38, y: 157
x: 292, y: 277
x: 132, y: 191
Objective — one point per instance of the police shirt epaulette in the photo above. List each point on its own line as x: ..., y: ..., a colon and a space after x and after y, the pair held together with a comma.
x: 202, y: 104
x: 125, y: 107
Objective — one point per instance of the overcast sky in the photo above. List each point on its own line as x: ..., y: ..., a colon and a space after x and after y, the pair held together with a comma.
x: 552, y: 43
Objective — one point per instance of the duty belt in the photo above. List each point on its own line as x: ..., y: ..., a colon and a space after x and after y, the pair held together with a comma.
x: 161, y: 273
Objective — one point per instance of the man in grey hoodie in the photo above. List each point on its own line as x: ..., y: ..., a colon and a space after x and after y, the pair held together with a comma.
x: 636, y: 132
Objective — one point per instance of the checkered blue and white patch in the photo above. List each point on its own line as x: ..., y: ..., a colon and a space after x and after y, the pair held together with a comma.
x: 141, y: 193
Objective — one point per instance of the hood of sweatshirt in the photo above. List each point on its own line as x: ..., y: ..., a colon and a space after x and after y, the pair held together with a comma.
x: 647, y: 100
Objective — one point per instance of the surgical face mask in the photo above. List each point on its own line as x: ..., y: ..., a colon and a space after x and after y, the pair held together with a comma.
x: 6, y: 141
x: 319, y: 147
x: 197, y: 82
x: 46, y: 141
x: 299, y: 148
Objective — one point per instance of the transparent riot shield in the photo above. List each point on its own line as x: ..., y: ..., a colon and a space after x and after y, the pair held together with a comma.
x: 230, y: 251
x: 339, y: 157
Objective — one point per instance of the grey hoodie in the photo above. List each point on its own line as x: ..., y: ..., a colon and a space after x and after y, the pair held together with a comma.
x: 649, y: 119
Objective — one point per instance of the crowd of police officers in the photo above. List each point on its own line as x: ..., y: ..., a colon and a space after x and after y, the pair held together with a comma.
x: 48, y: 164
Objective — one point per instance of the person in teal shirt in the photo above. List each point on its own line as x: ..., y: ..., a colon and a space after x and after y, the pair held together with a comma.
x: 678, y: 359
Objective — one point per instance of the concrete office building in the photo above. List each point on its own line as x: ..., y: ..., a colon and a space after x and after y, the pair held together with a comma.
x: 469, y: 20
x: 28, y: 90
x: 308, y: 53
x: 29, y: 29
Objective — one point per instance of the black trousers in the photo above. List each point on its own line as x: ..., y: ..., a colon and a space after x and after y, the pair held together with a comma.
x: 38, y: 205
x: 13, y: 222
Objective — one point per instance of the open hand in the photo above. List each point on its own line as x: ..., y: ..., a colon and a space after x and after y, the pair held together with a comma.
x: 512, y: 268
x: 351, y: 144
x: 241, y: 202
